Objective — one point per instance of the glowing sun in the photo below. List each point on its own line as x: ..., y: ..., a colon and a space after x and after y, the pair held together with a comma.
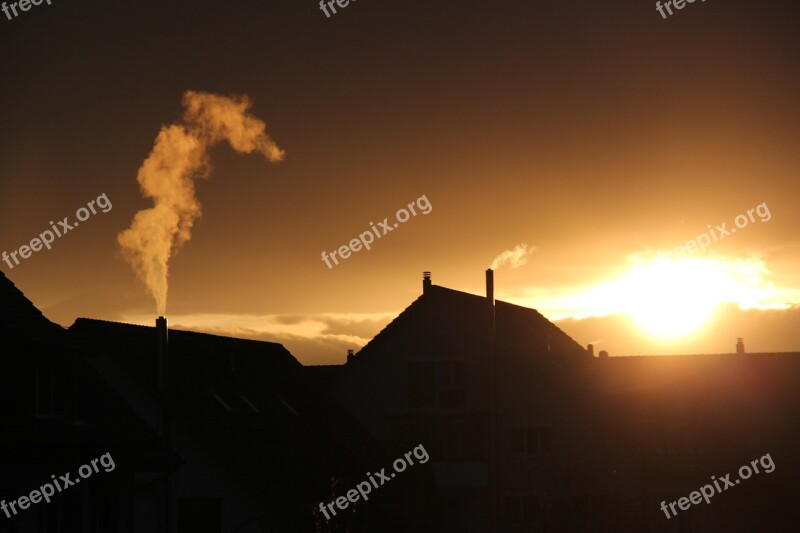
x: 673, y: 298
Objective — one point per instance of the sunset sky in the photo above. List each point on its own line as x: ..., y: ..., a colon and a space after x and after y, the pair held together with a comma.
x: 582, y: 137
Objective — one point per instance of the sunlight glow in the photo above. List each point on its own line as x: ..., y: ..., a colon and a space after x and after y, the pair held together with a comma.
x: 665, y: 297
x: 670, y: 299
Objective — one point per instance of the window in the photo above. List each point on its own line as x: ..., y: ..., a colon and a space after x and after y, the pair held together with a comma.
x: 436, y: 384
x: 522, y: 511
x: 532, y: 441
x: 450, y: 373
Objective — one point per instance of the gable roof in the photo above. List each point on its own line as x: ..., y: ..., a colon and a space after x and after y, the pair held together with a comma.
x: 447, y: 318
x: 20, y: 316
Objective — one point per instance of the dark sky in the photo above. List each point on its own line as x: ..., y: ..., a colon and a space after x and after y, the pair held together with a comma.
x: 594, y: 132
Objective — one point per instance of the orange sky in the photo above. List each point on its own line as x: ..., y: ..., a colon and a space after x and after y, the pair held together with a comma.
x: 595, y: 133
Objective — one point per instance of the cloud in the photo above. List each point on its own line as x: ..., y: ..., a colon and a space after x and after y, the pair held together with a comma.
x: 763, y: 330
x: 322, y: 338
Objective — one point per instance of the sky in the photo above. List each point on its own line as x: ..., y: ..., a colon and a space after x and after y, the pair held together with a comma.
x: 571, y: 145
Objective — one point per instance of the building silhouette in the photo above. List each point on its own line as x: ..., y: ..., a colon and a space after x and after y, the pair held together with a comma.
x: 526, y: 429
x: 58, y: 414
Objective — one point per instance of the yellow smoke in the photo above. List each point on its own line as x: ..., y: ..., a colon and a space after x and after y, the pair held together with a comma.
x: 178, y: 158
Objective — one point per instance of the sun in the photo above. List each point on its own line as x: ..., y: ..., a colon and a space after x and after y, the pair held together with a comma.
x: 670, y: 298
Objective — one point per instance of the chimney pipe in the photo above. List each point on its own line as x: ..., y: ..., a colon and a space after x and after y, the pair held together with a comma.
x: 162, y: 334
x: 163, y: 352
x: 426, y: 282
x: 162, y: 361
x: 590, y: 349
x: 350, y: 355
x: 490, y: 300
x: 739, y: 345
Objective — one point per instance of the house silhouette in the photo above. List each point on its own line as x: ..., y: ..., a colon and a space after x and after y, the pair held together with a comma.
x: 526, y: 429
x: 259, y: 440
x: 58, y: 414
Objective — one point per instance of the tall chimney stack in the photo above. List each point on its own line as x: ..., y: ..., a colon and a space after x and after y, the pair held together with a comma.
x: 490, y: 299
x: 740, y: 345
x: 590, y: 349
x: 162, y: 361
x: 163, y: 352
x: 426, y: 282
x: 162, y: 334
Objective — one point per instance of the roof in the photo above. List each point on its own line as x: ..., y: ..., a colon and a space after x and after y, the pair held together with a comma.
x: 448, y: 321
x: 250, y: 404
x: 195, y: 357
x: 451, y: 320
x: 754, y: 378
x: 20, y: 316
x: 87, y: 416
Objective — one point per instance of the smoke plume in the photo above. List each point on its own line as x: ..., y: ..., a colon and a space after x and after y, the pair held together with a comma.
x: 516, y: 257
x: 179, y: 157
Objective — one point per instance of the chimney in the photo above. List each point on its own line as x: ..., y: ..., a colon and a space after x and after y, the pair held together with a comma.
x: 590, y: 349
x: 426, y: 282
x: 490, y: 298
x: 740, y: 345
x: 163, y: 352
x: 162, y: 362
x: 603, y: 354
x: 350, y: 355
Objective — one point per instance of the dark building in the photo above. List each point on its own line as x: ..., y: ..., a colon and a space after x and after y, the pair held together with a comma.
x: 259, y: 439
x: 488, y: 388
x: 525, y: 430
x: 59, y: 414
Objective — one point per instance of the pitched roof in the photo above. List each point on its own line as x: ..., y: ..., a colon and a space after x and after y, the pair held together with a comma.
x: 86, y: 415
x: 18, y: 315
x: 250, y: 404
x: 452, y: 319
x: 194, y: 357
